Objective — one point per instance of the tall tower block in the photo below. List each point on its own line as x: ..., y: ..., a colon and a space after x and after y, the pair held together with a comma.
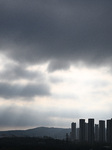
x: 109, y: 131
x: 82, y: 130
x: 91, y: 131
x: 101, y: 131
x: 73, y: 131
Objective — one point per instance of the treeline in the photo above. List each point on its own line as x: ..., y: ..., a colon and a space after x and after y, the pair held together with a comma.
x: 46, y: 143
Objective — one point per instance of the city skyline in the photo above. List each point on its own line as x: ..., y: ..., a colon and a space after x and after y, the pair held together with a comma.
x: 55, y: 62
x: 90, y: 132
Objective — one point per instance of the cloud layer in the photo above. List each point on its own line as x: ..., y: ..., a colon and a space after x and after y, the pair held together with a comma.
x: 55, y: 55
x: 61, y: 32
x: 30, y: 90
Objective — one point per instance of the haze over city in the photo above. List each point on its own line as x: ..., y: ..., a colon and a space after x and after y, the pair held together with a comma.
x: 55, y: 62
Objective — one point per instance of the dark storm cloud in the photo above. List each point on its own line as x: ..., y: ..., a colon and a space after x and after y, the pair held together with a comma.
x: 14, y: 72
x: 8, y: 91
x: 62, y: 32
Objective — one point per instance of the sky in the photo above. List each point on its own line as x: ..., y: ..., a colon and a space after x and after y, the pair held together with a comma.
x: 55, y: 62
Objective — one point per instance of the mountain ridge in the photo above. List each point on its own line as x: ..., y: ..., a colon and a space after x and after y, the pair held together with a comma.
x: 57, y: 133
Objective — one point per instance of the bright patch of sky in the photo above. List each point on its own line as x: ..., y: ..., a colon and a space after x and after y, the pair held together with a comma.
x: 78, y: 92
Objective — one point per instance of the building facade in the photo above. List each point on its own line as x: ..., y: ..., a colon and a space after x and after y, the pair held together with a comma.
x: 91, y: 131
x: 73, y: 131
x: 101, y: 131
x: 82, y: 130
x: 109, y: 131
x: 96, y: 133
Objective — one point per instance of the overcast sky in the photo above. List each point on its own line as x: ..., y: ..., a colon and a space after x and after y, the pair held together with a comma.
x: 55, y: 62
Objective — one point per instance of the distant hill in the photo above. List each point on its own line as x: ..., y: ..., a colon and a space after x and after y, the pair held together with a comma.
x: 58, y: 133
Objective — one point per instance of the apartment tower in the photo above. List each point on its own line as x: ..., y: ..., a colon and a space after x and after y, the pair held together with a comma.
x: 91, y: 131
x: 109, y: 131
x: 73, y: 131
x: 101, y: 131
x: 82, y: 130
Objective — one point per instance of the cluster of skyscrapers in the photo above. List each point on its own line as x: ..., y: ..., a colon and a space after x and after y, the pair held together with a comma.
x: 91, y: 132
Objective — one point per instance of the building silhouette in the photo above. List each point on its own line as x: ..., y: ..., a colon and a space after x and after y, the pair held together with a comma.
x: 86, y: 131
x: 96, y: 132
x: 101, y: 131
x: 91, y: 131
x: 82, y: 130
x: 109, y: 131
x: 73, y: 131
x: 77, y: 133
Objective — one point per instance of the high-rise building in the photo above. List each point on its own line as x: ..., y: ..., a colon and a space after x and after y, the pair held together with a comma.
x: 109, y: 131
x: 101, y: 131
x: 77, y: 133
x: 96, y: 133
x: 86, y: 131
x: 91, y: 131
x: 73, y: 131
x: 82, y: 130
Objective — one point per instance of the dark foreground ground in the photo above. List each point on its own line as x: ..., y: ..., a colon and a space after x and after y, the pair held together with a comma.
x: 46, y: 144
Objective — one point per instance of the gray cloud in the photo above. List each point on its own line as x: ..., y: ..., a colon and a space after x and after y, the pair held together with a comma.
x: 58, y: 65
x: 8, y: 91
x: 17, y: 116
x: 59, y: 31
x: 23, y: 116
x: 55, y: 80
x: 14, y: 72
